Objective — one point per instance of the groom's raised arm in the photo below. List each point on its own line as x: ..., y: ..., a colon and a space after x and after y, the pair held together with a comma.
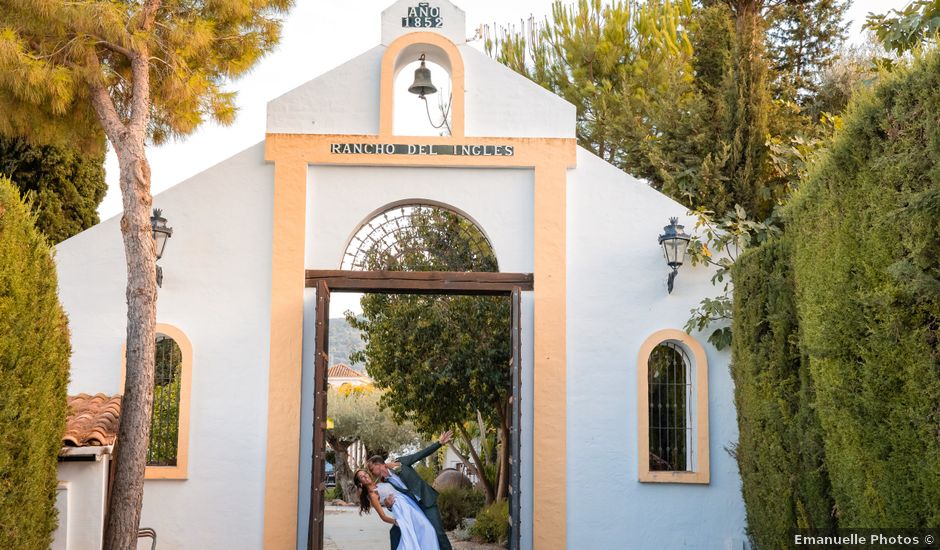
x: 408, y: 460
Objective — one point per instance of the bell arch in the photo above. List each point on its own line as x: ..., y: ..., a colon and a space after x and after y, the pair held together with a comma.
x: 390, y: 230
x: 438, y: 50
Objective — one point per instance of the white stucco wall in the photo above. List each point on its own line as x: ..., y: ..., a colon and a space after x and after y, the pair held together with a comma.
x: 345, y: 100
x: 216, y: 289
x: 617, y: 298
x: 501, y: 103
x: 340, y: 199
x: 81, y: 504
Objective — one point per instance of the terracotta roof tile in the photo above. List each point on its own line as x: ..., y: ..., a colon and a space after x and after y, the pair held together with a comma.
x: 93, y: 420
x: 342, y: 370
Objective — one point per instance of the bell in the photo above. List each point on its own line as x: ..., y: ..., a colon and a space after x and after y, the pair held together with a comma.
x: 422, y: 85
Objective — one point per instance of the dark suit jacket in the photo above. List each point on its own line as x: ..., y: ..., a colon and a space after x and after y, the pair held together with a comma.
x: 418, y: 487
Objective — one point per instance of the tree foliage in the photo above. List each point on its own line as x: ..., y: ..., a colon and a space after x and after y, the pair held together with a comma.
x: 64, y: 185
x: 140, y: 70
x: 622, y: 64
x: 686, y: 96
x: 904, y: 30
x: 34, y: 366
x: 805, y: 38
x: 56, y: 56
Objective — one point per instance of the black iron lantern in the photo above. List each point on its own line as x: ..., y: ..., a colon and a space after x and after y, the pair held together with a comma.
x: 160, y: 235
x: 675, y: 243
x: 422, y: 85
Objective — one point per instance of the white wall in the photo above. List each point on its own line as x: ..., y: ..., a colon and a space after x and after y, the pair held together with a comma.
x: 216, y: 289
x: 344, y: 100
x: 617, y: 298
x: 339, y: 199
x: 499, y: 102
x: 83, y: 486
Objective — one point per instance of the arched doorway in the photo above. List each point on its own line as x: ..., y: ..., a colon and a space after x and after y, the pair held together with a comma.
x: 414, y: 249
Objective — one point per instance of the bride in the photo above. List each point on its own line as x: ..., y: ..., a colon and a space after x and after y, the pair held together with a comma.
x: 417, y: 533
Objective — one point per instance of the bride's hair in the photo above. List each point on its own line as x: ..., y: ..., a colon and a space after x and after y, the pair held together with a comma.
x: 365, y: 505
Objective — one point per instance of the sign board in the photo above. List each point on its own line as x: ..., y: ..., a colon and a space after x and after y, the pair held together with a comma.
x: 423, y: 16
x: 422, y: 150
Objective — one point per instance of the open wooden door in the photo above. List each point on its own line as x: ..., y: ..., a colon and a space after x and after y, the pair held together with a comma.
x: 515, y: 503
x: 321, y: 366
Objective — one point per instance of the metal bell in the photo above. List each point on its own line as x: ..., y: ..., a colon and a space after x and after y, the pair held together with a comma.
x: 422, y: 85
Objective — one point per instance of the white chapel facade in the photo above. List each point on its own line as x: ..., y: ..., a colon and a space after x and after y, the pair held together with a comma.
x: 596, y: 316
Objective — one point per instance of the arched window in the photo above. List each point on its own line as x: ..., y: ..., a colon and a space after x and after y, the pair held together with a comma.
x: 168, y: 449
x: 419, y: 236
x: 672, y: 381
x: 164, y: 423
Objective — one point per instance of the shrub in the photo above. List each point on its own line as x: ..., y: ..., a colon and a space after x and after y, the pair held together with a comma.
x: 34, y: 366
x: 779, y: 450
x: 457, y: 504
x: 492, y: 524
x: 333, y: 493
x: 865, y: 229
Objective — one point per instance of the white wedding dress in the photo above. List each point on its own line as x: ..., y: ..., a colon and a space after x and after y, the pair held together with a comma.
x: 417, y: 533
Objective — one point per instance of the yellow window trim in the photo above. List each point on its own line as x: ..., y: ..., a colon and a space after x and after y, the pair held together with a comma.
x: 700, y: 473
x: 181, y: 470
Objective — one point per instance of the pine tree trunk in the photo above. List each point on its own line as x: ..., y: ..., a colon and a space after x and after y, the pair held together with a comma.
x: 137, y: 403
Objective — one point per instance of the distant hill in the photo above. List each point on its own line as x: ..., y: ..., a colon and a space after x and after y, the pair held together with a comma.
x: 344, y: 340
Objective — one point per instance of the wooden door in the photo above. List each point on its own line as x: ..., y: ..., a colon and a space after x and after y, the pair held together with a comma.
x: 321, y: 366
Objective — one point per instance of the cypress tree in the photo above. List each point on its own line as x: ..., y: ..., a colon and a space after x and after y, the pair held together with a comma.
x: 804, y: 39
x: 34, y: 366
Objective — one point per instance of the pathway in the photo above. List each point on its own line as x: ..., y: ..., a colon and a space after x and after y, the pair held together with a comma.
x: 345, y: 529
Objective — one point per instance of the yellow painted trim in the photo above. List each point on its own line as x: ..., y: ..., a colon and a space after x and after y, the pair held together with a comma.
x: 392, y: 62
x: 286, y: 354
x: 549, y: 483
x: 701, y: 471
x: 291, y: 154
x: 181, y: 470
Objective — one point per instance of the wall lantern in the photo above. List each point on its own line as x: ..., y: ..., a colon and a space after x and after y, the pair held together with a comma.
x: 160, y: 234
x: 422, y: 85
x: 675, y: 242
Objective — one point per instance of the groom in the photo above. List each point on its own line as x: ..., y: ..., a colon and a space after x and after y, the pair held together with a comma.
x: 407, y: 481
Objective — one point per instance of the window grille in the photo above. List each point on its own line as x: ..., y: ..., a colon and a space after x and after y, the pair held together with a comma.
x: 164, y: 426
x: 421, y: 237
x: 670, y: 414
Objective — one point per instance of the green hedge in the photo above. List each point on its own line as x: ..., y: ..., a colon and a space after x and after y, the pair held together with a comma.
x: 34, y: 364
x: 779, y: 451
x: 865, y: 230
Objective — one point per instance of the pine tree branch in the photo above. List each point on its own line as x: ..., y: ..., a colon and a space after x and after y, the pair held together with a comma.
x: 115, y: 48
x: 104, y: 105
